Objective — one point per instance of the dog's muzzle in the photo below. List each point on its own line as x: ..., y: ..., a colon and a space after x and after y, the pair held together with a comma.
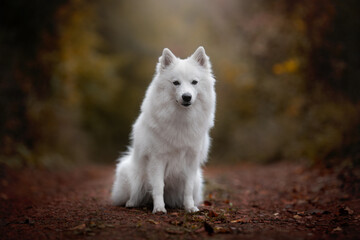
x: 186, y: 97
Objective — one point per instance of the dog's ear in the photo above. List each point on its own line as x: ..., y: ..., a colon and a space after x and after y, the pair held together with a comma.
x: 167, y: 58
x: 200, y: 57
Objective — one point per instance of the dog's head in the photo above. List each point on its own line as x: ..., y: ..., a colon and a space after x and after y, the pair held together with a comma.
x: 185, y: 79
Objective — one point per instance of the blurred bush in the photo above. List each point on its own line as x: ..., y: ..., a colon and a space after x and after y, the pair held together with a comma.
x: 75, y: 72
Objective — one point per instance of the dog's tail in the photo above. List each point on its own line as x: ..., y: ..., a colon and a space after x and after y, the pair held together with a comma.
x: 121, y: 189
x: 125, y: 155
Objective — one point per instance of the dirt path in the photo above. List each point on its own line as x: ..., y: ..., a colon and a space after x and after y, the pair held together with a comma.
x: 282, y: 201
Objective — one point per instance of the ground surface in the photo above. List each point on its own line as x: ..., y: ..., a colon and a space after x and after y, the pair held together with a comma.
x: 281, y: 201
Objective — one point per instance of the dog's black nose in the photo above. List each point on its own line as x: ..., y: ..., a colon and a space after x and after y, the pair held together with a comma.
x: 186, y: 97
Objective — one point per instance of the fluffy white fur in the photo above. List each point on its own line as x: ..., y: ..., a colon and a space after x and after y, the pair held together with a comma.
x: 170, y: 138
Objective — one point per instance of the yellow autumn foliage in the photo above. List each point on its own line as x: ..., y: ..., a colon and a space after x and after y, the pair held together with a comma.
x: 289, y: 66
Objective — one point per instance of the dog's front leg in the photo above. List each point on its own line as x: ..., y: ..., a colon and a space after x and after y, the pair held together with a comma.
x: 188, y: 197
x: 156, y: 172
x: 189, y: 188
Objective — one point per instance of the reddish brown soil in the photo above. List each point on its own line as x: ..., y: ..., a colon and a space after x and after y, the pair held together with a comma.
x: 281, y: 201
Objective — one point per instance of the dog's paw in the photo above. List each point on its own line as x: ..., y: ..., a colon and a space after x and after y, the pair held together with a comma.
x: 129, y: 204
x: 192, y: 209
x: 159, y: 210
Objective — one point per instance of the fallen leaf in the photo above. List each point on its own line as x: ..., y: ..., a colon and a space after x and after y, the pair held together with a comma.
x: 240, y: 220
x: 344, y: 211
x: 207, y: 203
x: 78, y: 227
x: 297, y: 217
x: 176, y: 222
x: 301, y: 213
x: 301, y: 202
x: 276, y: 214
x: 153, y: 221
x: 221, y: 230
x: 194, y: 226
x: 92, y: 224
x: 101, y: 226
x: 212, y: 214
x: 175, y: 214
x: 337, y: 229
x: 350, y: 211
x: 317, y: 212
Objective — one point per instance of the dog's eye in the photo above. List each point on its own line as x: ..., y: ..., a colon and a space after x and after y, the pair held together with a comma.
x: 194, y: 82
x: 176, y: 83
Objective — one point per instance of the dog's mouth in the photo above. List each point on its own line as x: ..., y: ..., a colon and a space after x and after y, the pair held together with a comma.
x: 186, y: 104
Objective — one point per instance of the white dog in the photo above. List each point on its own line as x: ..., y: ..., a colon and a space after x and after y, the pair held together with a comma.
x: 170, y: 138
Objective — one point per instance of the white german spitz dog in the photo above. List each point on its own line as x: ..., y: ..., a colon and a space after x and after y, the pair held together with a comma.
x: 170, y: 138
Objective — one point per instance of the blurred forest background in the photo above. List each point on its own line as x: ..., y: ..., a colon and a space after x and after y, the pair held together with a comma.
x: 74, y: 73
